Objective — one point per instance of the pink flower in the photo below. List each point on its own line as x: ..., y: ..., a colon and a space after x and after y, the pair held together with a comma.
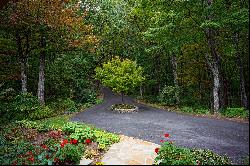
x: 166, y: 135
x: 162, y: 141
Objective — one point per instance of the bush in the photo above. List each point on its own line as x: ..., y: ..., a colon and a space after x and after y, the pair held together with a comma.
x: 68, y: 105
x: 202, y: 111
x: 170, y: 154
x: 82, y: 132
x: 41, y: 113
x: 235, y: 112
x: 25, y: 106
x: 195, y: 110
x: 168, y: 95
x: 70, y: 153
x: 187, y: 109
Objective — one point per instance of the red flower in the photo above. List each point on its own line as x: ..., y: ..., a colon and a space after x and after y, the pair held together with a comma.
x: 87, y: 141
x: 166, y: 135
x: 62, y: 145
x: 47, y: 156
x: 161, y: 141
x: 31, y: 158
x: 65, y: 141
x: 29, y: 153
x: 15, y: 162
x: 56, y: 159
x: 74, y: 141
x: 44, y: 146
x: 157, y: 150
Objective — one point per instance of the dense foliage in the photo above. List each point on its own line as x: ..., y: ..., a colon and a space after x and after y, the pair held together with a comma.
x: 51, y: 141
x: 170, y: 154
x: 193, y: 53
x: 122, y: 76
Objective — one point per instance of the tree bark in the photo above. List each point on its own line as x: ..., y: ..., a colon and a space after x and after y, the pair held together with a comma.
x: 214, y: 67
x: 214, y: 62
x: 41, y: 88
x: 174, y: 68
x: 243, y: 96
x: 141, y: 93
x: 23, y: 61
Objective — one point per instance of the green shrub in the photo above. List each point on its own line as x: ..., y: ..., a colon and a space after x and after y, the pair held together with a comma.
x: 170, y: 154
x: 187, y: 109
x: 246, y: 160
x: 168, y: 95
x: 82, y: 132
x: 26, y: 106
x: 235, y: 112
x: 69, y: 105
x: 195, y: 110
x: 70, y: 153
x: 41, y: 113
x: 202, y: 111
x: 7, y: 94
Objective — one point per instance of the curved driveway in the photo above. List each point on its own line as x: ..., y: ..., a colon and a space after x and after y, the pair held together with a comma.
x: 150, y: 124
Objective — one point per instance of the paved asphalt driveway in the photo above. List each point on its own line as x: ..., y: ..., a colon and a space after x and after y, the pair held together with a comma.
x: 150, y: 124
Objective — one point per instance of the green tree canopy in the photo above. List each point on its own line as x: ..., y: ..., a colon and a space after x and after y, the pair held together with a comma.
x: 121, y: 76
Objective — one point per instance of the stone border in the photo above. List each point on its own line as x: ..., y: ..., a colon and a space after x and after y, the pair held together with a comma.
x: 120, y: 110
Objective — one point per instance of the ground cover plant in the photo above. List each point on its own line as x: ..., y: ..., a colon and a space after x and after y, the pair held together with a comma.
x: 52, y: 141
x: 170, y: 154
x: 233, y: 113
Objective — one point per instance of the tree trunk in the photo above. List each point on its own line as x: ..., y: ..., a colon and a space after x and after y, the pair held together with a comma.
x: 214, y: 67
x: 214, y: 62
x: 216, y: 90
x: 141, y: 92
x: 23, y: 61
x: 243, y: 96
x: 40, y: 91
x: 24, y: 76
x: 174, y: 68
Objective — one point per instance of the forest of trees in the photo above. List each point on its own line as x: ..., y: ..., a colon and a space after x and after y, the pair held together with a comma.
x: 196, y: 49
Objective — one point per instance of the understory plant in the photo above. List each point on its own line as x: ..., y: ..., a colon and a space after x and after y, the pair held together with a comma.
x: 170, y: 154
x: 53, y: 141
x: 83, y: 132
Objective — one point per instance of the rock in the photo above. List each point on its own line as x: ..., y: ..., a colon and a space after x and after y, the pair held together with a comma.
x: 85, y: 161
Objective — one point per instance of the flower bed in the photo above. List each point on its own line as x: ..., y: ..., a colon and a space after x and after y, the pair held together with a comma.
x: 27, y: 143
x: 170, y: 154
x: 124, y: 108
